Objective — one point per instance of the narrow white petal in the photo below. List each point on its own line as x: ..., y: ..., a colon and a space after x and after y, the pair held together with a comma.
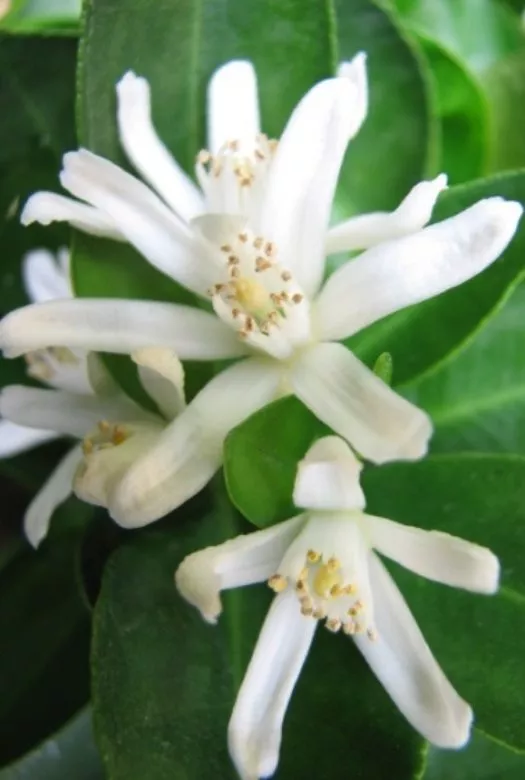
x: 255, y: 728
x: 435, y: 555
x: 65, y: 413
x: 408, y: 270
x: 233, y: 105
x: 147, y: 152
x: 302, y: 179
x: 402, y: 661
x: 47, y: 207
x: 15, y: 439
x: 145, y: 221
x: 328, y: 477
x: 54, y: 492
x: 377, y: 422
x: 355, y: 71
x: 189, y: 452
x: 367, y: 230
x: 120, y: 326
x: 162, y: 376
x: 249, y: 558
x: 100, y: 380
x: 44, y: 279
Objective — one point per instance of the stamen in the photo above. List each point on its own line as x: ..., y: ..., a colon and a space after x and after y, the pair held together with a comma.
x: 204, y: 156
x: 226, y: 248
x: 333, y: 625
x: 258, y: 242
x: 313, y: 556
x: 278, y: 583
x: 87, y: 446
x: 286, y: 276
x: 297, y: 298
x: 243, y: 237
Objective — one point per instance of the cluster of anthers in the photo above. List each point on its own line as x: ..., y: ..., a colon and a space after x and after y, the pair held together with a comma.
x: 105, y: 436
x: 257, y: 292
x: 232, y: 156
x: 323, y: 595
x: 44, y: 364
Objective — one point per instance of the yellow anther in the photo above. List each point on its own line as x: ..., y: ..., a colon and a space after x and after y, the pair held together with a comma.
x: 297, y: 298
x: 349, y: 628
x: 277, y: 583
x: 234, y: 272
x: 270, y: 248
x: 333, y: 564
x: 235, y: 313
x: 258, y: 242
x: 307, y: 611
x: 261, y: 264
x: 233, y: 260
x: 104, y: 426
x: 249, y: 324
x: 203, y: 157
x: 333, y: 625
x: 319, y: 613
x: 313, y: 556
x: 226, y: 248
x: 335, y: 591
x: 300, y: 586
x: 119, y: 435
x: 286, y: 276
x: 243, y: 237
x: 350, y: 589
x: 87, y: 446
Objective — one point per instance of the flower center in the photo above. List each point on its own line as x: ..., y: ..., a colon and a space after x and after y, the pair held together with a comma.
x: 323, y: 594
x: 43, y: 364
x: 106, y: 435
x: 260, y: 298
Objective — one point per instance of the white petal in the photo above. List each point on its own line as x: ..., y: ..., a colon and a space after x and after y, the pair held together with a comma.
x: 355, y: 71
x: 47, y: 207
x: 356, y: 404
x: 233, y: 105
x: 44, y: 279
x: 402, y: 661
x: 328, y: 477
x: 162, y: 376
x: 15, y: 439
x: 435, y: 555
x: 100, y: 380
x: 302, y: 179
x: 254, y: 731
x: 408, y: 270
x: 249, y: 558
x: 120, y: 326
x: 367, y: 230
x: 65, y: 413
x: 147, y: 152
x: 190, y: 450
x: 54, y: 492
x: 146, y: 222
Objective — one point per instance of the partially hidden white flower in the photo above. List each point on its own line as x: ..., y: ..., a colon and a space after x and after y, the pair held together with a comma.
x: 324, y: 567
x: 81, y: 402
x: 260, y: 262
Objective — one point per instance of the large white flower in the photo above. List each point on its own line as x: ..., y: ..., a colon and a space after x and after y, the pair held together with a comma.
x: 81, y: 402
x: 324, y: 567
x: 260, y: 264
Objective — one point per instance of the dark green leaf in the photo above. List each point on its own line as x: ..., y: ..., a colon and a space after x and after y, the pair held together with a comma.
x: 165, y: 682
x: 423, y: 335
x: 477, y: 399
x: 477, y: 639
x: 70, y: 753
x: 482, y: 759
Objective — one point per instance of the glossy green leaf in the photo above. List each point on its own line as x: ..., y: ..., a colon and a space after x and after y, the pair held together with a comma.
x: 478, y: 639
x: 44, y: 630
x: 164, y: 681
x: 477, y: 399
x: 483, y: 759
x: 423, y: 335
x: 33, y: 17
x: 70, y: 753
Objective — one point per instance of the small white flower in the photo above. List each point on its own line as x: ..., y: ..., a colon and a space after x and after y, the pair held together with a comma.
x: 323, y: 566
x: 83, y: 403
x: 260, y: 263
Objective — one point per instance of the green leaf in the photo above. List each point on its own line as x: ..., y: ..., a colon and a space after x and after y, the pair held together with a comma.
x: 44, y: 630
x: 31, y: 17
x: 477, y: 639
x: 477, y: 399
x: 70, y: 753
x: 482, y: 759
x: 164, y: 682
x: 422, y: 336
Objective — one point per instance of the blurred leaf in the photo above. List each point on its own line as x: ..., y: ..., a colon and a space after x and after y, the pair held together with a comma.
x: 164, y: 681
x: 421, y: 336
x: 44, y: 630
x: 31, y: 17
x: 477, y: 639
x: 482, y: 759
x: 70, y: 753
x: 477, y: 399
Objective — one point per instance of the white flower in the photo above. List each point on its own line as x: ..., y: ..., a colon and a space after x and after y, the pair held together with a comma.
x: 260, y: 263
x: 323, y: 566
x: 82, y: 401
